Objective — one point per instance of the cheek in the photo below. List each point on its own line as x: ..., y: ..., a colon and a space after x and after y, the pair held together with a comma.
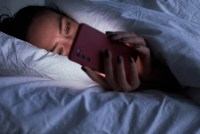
x: 43, y: 40
x: 39, y: 42
x: 42, y: 36
x: 67, y: 48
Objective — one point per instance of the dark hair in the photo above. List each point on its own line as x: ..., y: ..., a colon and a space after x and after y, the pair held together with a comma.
x: 18, y: 24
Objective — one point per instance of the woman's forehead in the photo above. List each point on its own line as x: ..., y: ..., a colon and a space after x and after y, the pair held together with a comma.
x: 46, y: 16
x: 44, y: 29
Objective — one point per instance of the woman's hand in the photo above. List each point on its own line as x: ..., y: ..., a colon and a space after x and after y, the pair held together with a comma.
x: 117, y: 80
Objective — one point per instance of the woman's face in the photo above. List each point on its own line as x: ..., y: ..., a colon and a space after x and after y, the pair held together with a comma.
x: 53, y: 32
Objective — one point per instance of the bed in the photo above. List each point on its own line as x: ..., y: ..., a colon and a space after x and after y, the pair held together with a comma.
x: 38, y: 98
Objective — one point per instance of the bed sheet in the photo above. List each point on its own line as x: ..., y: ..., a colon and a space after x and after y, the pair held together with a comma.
x: 30, y: 105
x: 41, y: 106
x: 11, y: 6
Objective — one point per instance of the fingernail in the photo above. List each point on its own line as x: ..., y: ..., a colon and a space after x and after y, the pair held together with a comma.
x: 83, y: 68
x: 111, y: 34
x: 106, y: 53
x: 119, y: 60
x: 124, y: 39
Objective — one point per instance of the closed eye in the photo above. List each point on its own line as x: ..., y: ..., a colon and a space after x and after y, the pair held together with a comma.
x: 67, y: 29
x: 60, y: 51
x: 54, y: 47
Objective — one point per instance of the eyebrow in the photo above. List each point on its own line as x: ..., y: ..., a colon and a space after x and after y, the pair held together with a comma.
x: 60, y: 18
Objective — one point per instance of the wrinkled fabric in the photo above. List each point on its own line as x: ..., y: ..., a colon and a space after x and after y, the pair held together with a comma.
x: 30, y: 105
x: 19, y: 58
x: 31, y: 102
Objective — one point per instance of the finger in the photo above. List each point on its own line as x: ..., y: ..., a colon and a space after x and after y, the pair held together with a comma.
x: 134, y: 79
x: 108, y: 69
x: 121, y: 74
x: 119, y: 35
x: 144, y: 62
x: 95, y: 77
x: 133, y: 41
x: 143, y: 53
x: 128, y: 38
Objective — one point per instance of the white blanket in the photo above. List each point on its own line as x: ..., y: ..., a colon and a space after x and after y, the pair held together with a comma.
x: 40, y: 106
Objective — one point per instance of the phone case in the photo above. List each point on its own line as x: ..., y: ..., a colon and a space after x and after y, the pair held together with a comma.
x: 89, y: 45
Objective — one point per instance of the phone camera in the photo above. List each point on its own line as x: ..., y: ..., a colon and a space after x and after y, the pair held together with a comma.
x: 78, y: 52
x: 82, y: 56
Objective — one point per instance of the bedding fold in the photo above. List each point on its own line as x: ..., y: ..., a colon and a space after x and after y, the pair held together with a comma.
x: 37, y: 105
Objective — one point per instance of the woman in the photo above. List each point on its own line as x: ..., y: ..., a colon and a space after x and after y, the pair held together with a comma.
x: 54, y: 31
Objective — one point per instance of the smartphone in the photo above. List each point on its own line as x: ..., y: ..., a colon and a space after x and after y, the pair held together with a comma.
x: 89, y: 45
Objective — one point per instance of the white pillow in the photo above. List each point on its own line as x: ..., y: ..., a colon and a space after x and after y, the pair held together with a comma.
x: 19, y: 58
x: 174, y: 40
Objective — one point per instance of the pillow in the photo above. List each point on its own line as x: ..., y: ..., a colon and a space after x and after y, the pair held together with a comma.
x: 19, y: 58
x: 173, y: 40
x: 11, y: 6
